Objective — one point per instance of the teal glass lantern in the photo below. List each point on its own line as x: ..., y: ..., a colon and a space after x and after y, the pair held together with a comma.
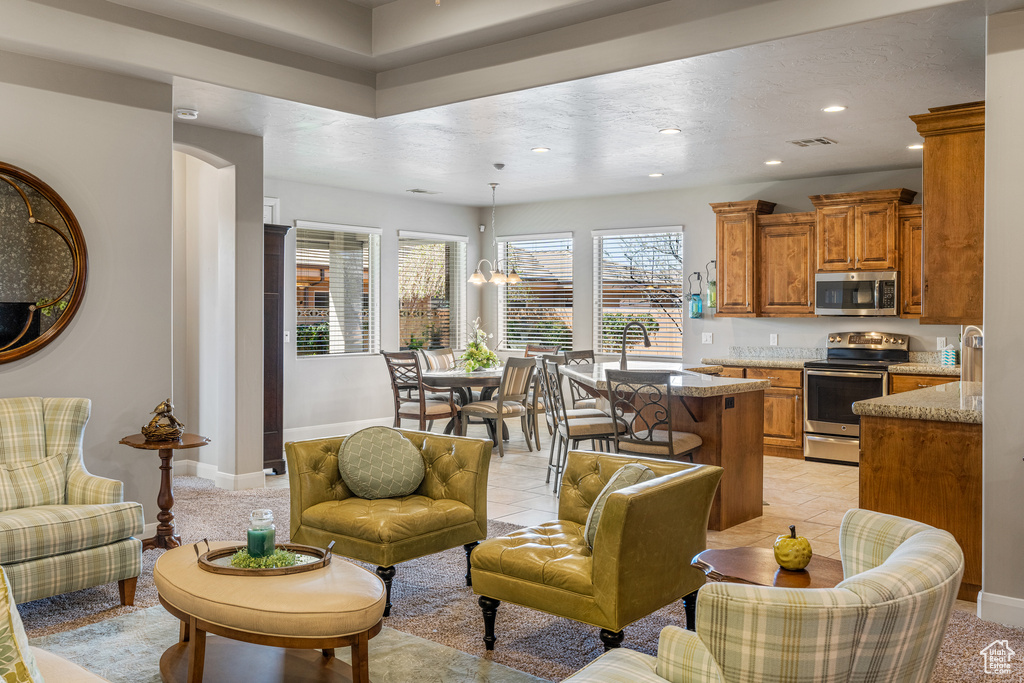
x: 696, y: 308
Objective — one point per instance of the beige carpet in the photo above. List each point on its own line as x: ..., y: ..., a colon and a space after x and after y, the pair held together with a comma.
x: 431, y: 601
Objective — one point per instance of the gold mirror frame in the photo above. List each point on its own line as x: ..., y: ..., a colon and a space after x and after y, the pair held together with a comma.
x: 68, y: 301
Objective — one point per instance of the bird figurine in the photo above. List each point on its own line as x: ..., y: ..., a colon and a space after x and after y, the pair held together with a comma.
x: 164, y: 426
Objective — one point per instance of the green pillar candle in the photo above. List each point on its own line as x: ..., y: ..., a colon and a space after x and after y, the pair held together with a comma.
x: 261, y: 542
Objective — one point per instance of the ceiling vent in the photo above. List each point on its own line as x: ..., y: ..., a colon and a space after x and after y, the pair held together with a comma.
x: 812, y: 142
x: 420, y: 190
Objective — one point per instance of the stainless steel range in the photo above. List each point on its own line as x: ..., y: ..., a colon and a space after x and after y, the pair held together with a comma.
x: 855, y: 369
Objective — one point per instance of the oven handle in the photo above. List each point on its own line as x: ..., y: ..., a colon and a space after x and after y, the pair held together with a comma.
x: 833, y: 373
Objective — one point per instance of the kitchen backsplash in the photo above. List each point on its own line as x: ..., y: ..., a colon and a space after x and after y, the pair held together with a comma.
x: 775, y: 352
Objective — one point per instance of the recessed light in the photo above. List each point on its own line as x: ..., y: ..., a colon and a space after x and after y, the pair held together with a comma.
x: 187, y: 114
x: 834, y: 108
x: 917, y: 146
x: 669, y: 131
x: 655, y: 175
x: 772, y: 162
x: 541, y: 150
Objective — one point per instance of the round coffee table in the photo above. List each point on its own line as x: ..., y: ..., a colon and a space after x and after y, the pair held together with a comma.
x: 267, y: 629
x: 758, y: 566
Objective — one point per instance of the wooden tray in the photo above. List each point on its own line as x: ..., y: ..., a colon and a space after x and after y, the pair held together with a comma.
x: 218, y: 561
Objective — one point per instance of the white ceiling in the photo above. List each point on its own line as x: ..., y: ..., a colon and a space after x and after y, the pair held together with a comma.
x: 736, y: 108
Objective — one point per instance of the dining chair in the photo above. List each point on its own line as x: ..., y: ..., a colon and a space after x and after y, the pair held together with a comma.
x: 578, y: 395
x: 419, y: 401
x: 511, y: 401
x: 438, y: 359
x: 536, y: 402
x: 568, y: 424
x: 642, y: 408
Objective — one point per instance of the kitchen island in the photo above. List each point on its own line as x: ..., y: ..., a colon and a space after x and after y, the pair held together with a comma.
x: 727, y: 414
x: 920, y: 458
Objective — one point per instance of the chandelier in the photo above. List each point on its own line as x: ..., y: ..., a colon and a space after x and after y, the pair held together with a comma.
x: 497, y: 277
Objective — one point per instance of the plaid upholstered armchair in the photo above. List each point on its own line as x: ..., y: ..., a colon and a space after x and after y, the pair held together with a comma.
x: 884, y: 622
x: 61, y: 528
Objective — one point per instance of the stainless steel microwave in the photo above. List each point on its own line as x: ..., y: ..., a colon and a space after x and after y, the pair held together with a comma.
x: 858, y: 293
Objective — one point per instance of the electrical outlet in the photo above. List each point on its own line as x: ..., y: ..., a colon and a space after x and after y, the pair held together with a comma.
x: 705, y: 338
x: 940, y: 343
x: 287, y: 336
x: 773, y: 340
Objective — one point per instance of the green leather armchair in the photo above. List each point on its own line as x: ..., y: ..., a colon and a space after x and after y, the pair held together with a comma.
x: 447, y: 510
x: 641, y: 558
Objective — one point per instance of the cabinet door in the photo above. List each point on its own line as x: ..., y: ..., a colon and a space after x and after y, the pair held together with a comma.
x: 787, y: 267
x: 734, y: 372
x: 874, y: 236
x: 783, y: 417
x: 736, y: 254
x: 910, y: 259
x: 900, y: 383
x: 835, y: 238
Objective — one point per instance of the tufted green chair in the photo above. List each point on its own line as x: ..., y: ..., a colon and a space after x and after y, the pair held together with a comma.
x: 640, y: 561
x: 449, y: 508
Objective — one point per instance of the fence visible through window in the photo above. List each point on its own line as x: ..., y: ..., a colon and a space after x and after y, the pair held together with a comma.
x: 538, y: 310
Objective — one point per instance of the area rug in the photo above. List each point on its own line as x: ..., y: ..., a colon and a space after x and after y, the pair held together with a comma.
x: 432, y: 601
x: 395, y: 657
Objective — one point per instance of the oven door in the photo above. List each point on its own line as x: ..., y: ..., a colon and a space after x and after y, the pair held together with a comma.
x: 829, y: 396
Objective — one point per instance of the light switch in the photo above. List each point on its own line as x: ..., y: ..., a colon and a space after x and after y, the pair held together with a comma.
x: 773, y: 340
x: 287, y: 336
x: 705, y: 338
x: 940, y: 343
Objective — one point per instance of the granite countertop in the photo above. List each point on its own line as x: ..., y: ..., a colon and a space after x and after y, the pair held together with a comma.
x: 693, y: 382
x: 789, y: 363
x: 924, y: 369
x: 952, y: 402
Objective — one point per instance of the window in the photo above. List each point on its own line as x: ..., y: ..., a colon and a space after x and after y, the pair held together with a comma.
x: 538, y: 310
x: 638, y: 277
x: 337, y: 289
x: 431, y: 290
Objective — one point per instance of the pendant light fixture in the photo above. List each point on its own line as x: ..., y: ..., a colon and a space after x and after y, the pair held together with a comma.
x: 497, y: 277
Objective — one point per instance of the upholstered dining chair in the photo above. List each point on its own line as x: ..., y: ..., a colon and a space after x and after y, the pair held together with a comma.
x: 536, y: 401
x: 413, y: 399
x: 643, y: 407
x: 579, y: 397
x: 570, y: 425
x: 511, y: 401
x: 640, y: 560
x: 448, y: 510
x: 884, y: 622
x: 439, y: 359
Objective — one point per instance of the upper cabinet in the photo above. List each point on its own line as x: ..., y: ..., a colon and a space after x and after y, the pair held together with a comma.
x: 910, y: 261
x: 952, y: 252
x: 787, y: 264
x: 736, y: 232
x: 859, y: 230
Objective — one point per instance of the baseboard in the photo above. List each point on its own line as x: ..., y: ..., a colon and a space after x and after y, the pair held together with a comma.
x: 1001, y: 609
x: 335, y: 429
x: 231, y: 482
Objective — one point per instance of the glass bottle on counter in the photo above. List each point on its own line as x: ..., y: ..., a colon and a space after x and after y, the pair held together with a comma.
x: 261, y: 534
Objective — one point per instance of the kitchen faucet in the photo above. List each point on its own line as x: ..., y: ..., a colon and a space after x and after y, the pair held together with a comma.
x: 625, y: 330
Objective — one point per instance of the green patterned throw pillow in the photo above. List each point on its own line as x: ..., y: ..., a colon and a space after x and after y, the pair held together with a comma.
x: 378, y: 462
x: 627, y: 475
x: 28, y: 484
x: 17, y: 665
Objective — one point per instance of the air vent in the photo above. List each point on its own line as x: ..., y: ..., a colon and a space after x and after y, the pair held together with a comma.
x: 812, y: 142
x: 420, y: 190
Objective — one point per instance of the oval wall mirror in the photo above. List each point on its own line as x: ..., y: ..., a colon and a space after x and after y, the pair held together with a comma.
x: 43, y: 264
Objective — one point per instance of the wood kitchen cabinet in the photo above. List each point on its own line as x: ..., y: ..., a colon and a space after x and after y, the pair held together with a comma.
x: 786, y: 266
x: 910, y: 233
x: 954, y: 214
x: 901, y: 383
x: 858, y: 230
x: 737, y: 256
x: 783, y: 408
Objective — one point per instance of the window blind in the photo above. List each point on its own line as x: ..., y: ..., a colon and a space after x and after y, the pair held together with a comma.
x: 431, y: 293
x: 336, y: 288
x: 538, y: 310
x: 639, y: 278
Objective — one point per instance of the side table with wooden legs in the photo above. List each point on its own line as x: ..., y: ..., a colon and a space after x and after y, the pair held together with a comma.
x: 165, y: 537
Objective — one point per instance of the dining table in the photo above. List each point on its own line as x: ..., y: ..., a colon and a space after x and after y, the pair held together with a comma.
x: 462, y: 383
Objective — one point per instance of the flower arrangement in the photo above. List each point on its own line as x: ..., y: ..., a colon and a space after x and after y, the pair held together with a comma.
x: 477, y: 356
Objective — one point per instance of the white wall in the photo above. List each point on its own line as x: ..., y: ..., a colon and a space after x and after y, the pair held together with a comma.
x: 1002, y: 597
x: 325, y: 394
x: 112, y: 164
x: 690, y: 209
